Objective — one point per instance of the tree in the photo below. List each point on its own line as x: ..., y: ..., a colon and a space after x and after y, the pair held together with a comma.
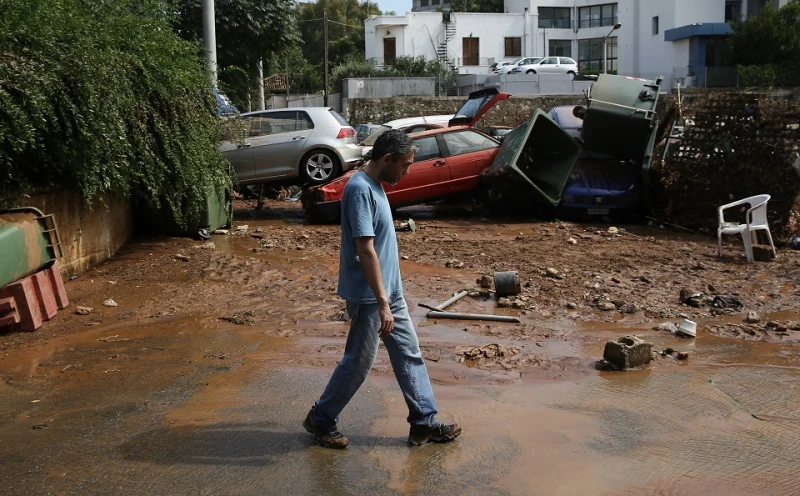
x: 247, y: 31
x: 770, y: 41
x: 345, y: 29
x: 488, y: 6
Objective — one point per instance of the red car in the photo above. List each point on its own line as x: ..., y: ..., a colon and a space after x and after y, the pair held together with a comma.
x: 449, y: 160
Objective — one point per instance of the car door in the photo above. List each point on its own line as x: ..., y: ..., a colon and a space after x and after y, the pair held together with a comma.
x: 469, y: 154
x: 283, y: 135
x: 428, y: 177
x: 549, y: 65
x: 237, y: 147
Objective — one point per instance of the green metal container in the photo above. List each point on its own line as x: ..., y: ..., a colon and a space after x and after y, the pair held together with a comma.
x: 217, y: 212
x: 533, y: 164
x: 28, y: 243
x: 620, y: 115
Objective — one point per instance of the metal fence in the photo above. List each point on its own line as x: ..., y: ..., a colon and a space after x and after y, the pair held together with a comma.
x: 294, y: 101
x: 556, y: 23
x: 597, y: 23
x: 389, y: 87
x: 523, y: 84
x: 473, y: 61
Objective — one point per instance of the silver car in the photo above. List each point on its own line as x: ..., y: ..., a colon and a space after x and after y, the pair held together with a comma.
x: 314, y: 144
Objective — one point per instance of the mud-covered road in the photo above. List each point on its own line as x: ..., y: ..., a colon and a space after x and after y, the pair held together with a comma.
x: 197, y: 381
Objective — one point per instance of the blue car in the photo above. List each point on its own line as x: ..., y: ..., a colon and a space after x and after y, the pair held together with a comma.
x: 224, y: 106
x: 599, y: 184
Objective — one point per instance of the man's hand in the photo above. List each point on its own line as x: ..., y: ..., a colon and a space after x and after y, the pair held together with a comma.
x: 387, y: 319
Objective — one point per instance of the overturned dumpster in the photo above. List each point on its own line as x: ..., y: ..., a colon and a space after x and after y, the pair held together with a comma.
x: 532, y: 166
x: 31, y: 288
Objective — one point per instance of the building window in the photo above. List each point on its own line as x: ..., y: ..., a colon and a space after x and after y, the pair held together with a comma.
x: 597, y: 16
x: 470, y: 51
x: 733, y: 10
x: 423, y: 3
x: 655, y: 25
x: 560, y: 48
x: 435, y: 2
x: 590, y: 55
x: 554, y: 17
x: 513, y: 47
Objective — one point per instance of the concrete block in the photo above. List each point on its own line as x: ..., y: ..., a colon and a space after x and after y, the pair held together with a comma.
x: 24, y: 295
x: 57, y: 283
x: 628, y: 352
x: 44, y: 293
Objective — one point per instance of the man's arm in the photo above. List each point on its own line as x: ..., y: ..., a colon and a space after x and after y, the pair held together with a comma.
x: 372, y: 270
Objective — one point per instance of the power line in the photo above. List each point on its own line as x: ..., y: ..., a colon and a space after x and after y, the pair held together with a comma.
x: 346, y: 25
x: 310, y: 20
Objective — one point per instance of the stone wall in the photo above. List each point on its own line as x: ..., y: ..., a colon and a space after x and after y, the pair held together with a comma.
x: 511, y: 112
x: 89, y: 236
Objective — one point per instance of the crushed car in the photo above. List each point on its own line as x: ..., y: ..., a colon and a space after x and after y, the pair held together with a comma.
x: 449, y: 161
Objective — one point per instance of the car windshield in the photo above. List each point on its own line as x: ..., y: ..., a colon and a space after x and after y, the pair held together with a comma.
x: 377, y: 131
x: 341, y: 120
x: 536, y: 61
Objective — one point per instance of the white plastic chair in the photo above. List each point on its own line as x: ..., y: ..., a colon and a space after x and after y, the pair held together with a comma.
x: 755, y: 220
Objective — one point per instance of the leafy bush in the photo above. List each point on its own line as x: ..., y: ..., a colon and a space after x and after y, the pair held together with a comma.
x: 403, y: 67
x: 104, y: 97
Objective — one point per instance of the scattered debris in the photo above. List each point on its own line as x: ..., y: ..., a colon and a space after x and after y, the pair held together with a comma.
x: 242, y: 228
x: 668, y: 327
x: 222, y: 231
x: 628, y: 352
x: 763, y: 253
x: 484, y: 282
x: 613, y: 230
x: 551, y: 272
x: 687, y: 328
x: 84, y: 310
x: 752, y: 317
x: 245, y: 317
x: 409, y: 225
x: 455, y: 264
x: 507, y: 283
x: 206, y: 246
x: 493, y: 350
x: 572, y: 241
x: 606, y: 306
x: 110, y: 303
x: 182, y: 257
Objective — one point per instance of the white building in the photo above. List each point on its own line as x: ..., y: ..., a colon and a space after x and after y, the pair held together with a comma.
x: 669, y: 38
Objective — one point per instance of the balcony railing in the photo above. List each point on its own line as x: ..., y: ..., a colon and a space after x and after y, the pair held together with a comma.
x: 470, y: 61
x: 597, y: 22
x: 556, y: 23
x: 377, y: 61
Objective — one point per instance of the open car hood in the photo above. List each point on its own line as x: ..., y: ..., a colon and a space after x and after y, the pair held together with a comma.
x: 477, y: 105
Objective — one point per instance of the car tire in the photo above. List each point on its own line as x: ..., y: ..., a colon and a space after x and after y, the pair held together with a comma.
x: 319, y: 167
x: 571, y: 74
x: 530, y: 71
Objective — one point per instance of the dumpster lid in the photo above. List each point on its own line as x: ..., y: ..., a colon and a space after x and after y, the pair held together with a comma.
x: 477, y: 105
x: 541, y: 154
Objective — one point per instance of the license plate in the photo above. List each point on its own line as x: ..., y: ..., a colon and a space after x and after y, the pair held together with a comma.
x: 598, y: 211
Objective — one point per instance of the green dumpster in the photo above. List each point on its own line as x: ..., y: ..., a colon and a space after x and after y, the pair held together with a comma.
x: 620, y: 115
x: 28, y: 243
x: 532, y: 165
x: 216, y: 213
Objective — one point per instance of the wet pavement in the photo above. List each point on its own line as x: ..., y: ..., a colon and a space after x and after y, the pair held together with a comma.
x: 162, y: 396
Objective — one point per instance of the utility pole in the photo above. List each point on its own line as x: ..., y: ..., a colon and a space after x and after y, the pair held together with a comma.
x: 210, y: 39
x: 261, y: 103
x: 325, y: 35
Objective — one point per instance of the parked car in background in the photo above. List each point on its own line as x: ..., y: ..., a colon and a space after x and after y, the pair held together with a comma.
x: 494, y: 66
x: 224, y: 106
x: 448, y: 161
x: 364, y: 130
x: 505, y: 69
x: 312, y: 144
x: 548, y: 65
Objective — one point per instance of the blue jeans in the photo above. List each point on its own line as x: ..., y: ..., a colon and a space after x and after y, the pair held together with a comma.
x: 359, y: 356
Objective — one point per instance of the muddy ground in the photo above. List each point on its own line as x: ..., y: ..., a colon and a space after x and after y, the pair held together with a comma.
x: 93, y: 402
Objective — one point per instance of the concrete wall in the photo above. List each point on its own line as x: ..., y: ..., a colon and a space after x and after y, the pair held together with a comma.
x: 89, y: 236
x: 511, y: 112
x: 387, y: 87
x: 523, y: 84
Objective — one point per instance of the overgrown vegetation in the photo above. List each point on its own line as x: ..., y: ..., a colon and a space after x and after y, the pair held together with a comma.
x: 105, y: 97
x: 766, y: 48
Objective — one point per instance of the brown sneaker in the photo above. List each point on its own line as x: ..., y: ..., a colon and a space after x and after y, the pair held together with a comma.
x: 438, y: 433
x: 330, y: 438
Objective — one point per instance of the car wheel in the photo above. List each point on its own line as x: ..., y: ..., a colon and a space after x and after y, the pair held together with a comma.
x: 571, y: 74
x: 319, y: 167
x: 530, y: 71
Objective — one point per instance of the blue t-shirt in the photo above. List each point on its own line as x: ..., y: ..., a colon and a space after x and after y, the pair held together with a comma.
x: 366, y: 212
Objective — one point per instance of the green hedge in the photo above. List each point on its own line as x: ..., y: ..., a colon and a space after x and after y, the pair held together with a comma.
x: 106, y: 98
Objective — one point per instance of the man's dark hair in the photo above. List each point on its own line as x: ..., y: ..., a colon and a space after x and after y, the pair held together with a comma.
x: 394, y: 142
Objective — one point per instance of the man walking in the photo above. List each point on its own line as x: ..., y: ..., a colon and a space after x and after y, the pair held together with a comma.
x: 369, y: 280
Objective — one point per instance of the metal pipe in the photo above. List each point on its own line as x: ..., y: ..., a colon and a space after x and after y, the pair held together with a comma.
x: 452, y: 300
x: 471, y: 316
x: 210, y: 39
